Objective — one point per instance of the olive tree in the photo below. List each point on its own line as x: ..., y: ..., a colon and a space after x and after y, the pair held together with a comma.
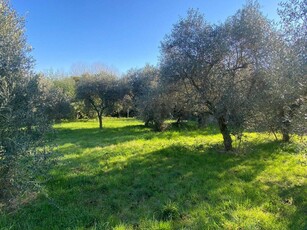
x: 123, y: 100
x: 140, y: 82
x: 148, y: 96
x: 98, y: 91
x: 58, y: 102
x: 292, y: 67
x: 283, y: 105
x: 293, y: 14
x: 224, y: 64
x: 23, y: 123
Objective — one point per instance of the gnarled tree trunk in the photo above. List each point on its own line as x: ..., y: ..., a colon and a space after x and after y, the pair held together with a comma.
x: 226, y: 134
x: 286, y: 125
x: 285, y: 131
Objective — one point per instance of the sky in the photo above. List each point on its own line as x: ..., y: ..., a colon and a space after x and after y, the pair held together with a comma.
x: 120, y: 34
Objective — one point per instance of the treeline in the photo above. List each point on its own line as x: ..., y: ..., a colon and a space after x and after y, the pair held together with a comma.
x: 245, y: 73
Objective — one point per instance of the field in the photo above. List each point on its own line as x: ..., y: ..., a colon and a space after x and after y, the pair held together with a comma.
x: 128, y: 177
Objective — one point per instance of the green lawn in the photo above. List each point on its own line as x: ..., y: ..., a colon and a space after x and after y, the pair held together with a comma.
x: 128, y: 177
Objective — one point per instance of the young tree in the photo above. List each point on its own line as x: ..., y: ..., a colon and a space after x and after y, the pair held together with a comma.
x: 98, y: 91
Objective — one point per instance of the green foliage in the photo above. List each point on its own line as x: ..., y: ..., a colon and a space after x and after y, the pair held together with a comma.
x: 67, y: 85
x: 126, y: 176
x: 98, y: 92
x: 291, y: 82
x: 148, y: 97
x: 23, y: 122
x: 219, y: 68
x: 294, y: 20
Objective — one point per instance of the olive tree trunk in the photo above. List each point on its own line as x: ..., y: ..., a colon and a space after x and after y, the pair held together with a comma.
x: 286, y: 125
x: 226, y: 134
x: 99, y: 115
x: 100, y: 121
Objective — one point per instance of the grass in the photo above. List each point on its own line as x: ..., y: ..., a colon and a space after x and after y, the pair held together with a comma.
x: 128, y: 177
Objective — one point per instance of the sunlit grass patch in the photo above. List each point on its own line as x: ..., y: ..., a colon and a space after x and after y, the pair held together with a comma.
x: 127, y: 177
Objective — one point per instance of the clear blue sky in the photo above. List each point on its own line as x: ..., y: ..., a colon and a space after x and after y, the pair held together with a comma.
x: 119, y: 33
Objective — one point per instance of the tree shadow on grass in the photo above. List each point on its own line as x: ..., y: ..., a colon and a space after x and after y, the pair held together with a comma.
x: 206, y: 182
x: 76, y: 141
x: 92, y: 136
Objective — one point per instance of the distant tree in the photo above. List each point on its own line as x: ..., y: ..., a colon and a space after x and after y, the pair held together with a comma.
x: 127, y: 104
x: 59, y: 104
x: 148, y: 97
x: 67, y: 85
x: 154, y: 108
x: 140, y: 80
x: 98, y: 91
x: 123, y: 101
x: 81, y: 68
